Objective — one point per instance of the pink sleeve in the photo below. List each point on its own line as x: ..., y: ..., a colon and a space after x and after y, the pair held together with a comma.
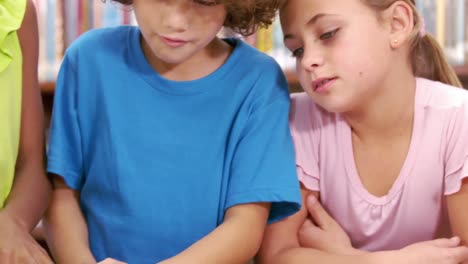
x: 456, y: 156
x: 305, y: 136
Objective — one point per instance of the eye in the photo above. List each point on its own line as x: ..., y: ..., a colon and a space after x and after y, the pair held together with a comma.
x: 206, y: 3
x: 329, y: 34
x: 297, y: 53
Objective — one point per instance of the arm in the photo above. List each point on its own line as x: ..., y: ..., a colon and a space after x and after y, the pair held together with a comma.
x: 456, y: 204
x: 30, y: 193
x: 328, y: 237
x: 236, y: 240
x: 31, y: 189
x: 65, y: 226
x: 288, y: 249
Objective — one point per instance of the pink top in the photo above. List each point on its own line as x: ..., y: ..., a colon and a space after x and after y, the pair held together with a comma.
x: 414, y: 208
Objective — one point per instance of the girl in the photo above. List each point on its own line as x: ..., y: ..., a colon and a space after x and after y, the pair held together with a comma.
x: 165, y: 145
x: 383, y: 143
x: 24, y: 188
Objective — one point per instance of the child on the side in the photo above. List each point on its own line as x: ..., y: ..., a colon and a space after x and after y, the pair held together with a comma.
x: 381, y: 139
x: 167, y: 143
x: 24, y: 187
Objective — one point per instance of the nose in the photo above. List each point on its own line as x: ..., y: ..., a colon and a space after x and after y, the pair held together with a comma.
x: 312, y: 58
x: 177, y: 15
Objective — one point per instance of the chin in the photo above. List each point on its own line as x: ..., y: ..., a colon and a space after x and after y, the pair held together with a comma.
x: 173, y: 59
x: 335, y: 107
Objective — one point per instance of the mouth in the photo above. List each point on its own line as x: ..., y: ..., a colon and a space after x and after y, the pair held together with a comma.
x: 321, y: 85
x: 173, y: 42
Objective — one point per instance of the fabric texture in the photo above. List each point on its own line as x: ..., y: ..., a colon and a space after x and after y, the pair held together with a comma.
x: 11, y: 16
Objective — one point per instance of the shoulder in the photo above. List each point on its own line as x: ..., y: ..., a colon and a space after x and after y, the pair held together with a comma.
x: 255, y: 59
x: 28, y: 32
x: 440, y: 96
x: 444, y: 106
x: 12, y: 13
x: 260, y: 77
x: 101, y: 40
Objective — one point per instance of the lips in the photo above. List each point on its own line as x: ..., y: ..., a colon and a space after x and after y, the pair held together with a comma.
x: 322, y: 84
x: 173, y: 42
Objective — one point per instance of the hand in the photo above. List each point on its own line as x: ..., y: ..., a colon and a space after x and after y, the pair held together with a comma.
x: 17, y: 245
x: 111, y: 261
x: 439, y: 251
x: 322, y: 232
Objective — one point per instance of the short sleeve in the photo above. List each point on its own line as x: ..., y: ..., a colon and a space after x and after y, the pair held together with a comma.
x: 456, y: 158
x: 306, y: 136
x: 65, y: 148
x: 11, y: 18
x: 263, y: 163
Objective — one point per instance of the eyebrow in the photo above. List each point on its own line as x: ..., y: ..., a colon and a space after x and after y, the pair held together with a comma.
x: 312, y: 21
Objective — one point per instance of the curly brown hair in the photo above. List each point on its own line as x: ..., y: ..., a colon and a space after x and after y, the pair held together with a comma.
x: 244, y: 16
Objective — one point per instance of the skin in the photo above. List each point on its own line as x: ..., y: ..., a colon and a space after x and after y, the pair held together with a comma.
x: 377, y: 100
x: 31, y: 189
x: 196, y: 23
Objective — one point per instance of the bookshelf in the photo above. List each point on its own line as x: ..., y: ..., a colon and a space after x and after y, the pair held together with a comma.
x: 47, y: 88
x: 62, y: 21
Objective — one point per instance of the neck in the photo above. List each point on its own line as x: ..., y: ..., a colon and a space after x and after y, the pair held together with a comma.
x: 211, y: 57
x: 389, y: 113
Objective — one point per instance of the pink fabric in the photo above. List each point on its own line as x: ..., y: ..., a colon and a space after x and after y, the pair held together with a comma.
x: 414, y: 208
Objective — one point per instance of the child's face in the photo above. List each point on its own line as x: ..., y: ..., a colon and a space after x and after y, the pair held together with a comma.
x: 342, y: 50
x: 176, y: 30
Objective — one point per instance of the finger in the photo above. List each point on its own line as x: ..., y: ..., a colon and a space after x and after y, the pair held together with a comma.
x: 6, y: 256
x: 460, y: 254
x: 308, y: 223
x: 309, y: 231
x: 445, y: 242
x: 24, y: 258
x: 41, y: 256
x: 318, y: 213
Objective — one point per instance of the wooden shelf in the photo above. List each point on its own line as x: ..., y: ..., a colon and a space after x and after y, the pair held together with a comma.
x: 47, y: 87
x: 462, y: 71
x: 292, y: 77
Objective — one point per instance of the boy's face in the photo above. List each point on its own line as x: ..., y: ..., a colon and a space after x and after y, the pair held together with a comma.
x: 178, y: 30
x: 341, y: 49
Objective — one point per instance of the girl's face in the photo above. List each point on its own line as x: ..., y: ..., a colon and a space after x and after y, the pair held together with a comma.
x: 341, y: 48
x: 178, y: 30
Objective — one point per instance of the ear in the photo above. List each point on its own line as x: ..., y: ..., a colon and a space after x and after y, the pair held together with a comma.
x: 400, y: 18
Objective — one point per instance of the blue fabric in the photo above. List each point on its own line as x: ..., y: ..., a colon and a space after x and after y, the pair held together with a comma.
x: 158, y: 162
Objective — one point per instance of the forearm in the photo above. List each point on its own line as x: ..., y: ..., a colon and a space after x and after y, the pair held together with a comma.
x: 66, y: 230
x: 29, y: 196
x: 235, y: 241
x: 306, y: 255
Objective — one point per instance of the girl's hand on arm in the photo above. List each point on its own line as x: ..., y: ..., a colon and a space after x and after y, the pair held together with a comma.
x: 458, y: 213
x: 320, y: 231
x: 235, y: 241
x: 439, y: 251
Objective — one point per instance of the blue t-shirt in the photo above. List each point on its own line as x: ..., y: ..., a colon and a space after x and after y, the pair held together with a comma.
x: 158, y: 162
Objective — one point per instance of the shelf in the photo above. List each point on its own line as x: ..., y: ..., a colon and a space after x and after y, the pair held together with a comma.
x: 462, y: 71
x: 291, y: 77
x: 47, y: 87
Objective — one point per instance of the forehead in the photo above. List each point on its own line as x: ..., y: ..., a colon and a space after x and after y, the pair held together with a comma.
x: 297, y: 13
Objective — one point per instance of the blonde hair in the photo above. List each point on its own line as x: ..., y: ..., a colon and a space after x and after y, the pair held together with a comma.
x: 426, y: 55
